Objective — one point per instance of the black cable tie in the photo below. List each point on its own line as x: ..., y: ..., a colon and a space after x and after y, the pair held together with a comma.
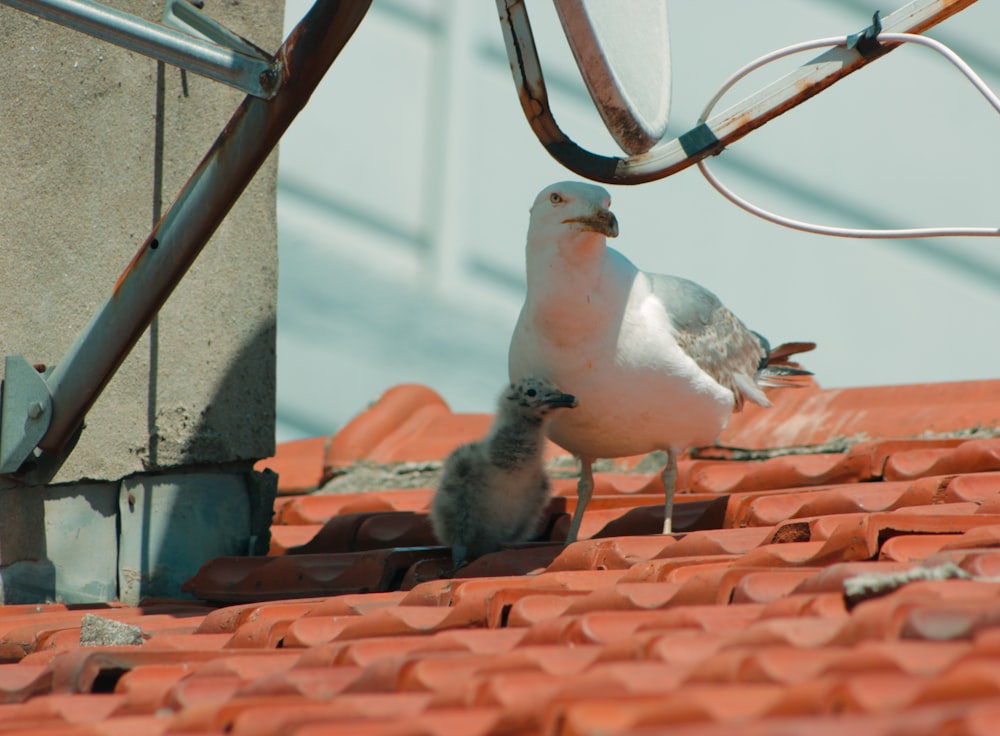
x: 866, y: 42
x: 698, y: 139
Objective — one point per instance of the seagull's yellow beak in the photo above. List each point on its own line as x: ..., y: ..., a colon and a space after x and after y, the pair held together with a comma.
x: 603, y: 221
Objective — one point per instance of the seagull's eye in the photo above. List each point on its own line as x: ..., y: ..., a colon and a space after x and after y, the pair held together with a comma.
x: 555, y: 198
x: 531, y: 392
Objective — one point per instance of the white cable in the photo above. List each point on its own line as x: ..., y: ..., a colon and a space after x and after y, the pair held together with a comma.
x: 808, y: 227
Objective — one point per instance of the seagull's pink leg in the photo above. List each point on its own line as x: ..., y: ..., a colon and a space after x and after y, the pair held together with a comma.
x: 584, y: 490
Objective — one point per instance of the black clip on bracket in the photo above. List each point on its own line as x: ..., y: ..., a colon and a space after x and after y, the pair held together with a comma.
x: 866, y: 42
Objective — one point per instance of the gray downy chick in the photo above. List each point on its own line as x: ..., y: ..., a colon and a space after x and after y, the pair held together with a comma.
x: 493, y: 492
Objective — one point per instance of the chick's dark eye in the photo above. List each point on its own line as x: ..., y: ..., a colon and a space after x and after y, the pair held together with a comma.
x: 555, y: 198
x: 531, y: 392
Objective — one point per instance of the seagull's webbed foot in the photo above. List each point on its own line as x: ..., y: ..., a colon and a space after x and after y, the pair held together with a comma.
x: 584, y: 490
x: 669, y: 478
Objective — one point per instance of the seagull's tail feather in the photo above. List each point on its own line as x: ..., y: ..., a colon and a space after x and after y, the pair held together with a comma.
x: 777, y: 371
x: 783, y: 376
x: 785, y: 350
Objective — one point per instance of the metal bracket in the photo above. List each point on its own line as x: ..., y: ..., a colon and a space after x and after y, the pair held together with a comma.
x: 201, y: 45
x: 25, y: 412
x: 185, y: 17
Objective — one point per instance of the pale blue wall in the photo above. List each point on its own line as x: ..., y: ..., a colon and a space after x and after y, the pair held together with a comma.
x: 404, y: 189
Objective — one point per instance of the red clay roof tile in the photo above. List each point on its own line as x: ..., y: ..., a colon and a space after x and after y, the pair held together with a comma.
x: 739, y: 622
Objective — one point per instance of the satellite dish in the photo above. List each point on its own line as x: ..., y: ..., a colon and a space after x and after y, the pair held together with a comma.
x: 623, y: 52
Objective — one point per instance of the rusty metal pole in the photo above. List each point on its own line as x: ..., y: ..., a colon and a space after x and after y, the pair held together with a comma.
x: 175, y: 242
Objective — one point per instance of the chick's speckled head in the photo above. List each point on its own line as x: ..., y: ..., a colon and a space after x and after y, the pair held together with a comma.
x: 572, y: 205
x: 534, y: 398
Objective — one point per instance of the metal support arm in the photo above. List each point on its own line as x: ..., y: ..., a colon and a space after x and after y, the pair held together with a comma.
x: 244, y: 144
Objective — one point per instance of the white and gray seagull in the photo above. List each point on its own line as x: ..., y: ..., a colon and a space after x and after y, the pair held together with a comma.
x: 656, y: 362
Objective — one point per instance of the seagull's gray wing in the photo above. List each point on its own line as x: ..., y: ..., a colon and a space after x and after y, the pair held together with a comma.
x: 712, y: 336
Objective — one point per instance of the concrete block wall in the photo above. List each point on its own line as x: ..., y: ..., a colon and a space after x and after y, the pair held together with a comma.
x: 96, y: 143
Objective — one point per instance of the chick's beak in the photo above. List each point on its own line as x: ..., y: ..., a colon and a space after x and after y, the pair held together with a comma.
x: 603, y: 221
x: 560, y: 401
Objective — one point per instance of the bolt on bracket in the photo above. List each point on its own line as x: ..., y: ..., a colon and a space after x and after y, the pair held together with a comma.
x: 25, y: 412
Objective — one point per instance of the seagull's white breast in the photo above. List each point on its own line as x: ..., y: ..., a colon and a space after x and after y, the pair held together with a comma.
x: 611, y: 343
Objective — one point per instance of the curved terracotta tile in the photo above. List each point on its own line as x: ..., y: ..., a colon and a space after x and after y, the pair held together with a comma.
x: 241, y: 579
x: 227, y: 620
x: 192, y: 694
x: 588, y: 628
x: 949, y: 620
x: 814, y: 528
x: 940, y: 609
x: 285, y: 538
x: 982, y: 563
x: 350, y: 712
x: 431, y: 438
x: 809, y: 417
x: 354, y: 605
x: 979, y: 719
x: 822, y: 605
x: 916, y: 658
x: 763, y: 586
x: 320, y: 508
x: 716, y: 476
x: 701, y: 584
x: 793, y: 554
x: 639, y: 677
x: 876, y: 692
x: 298, y: 463
x: 972, y: 456
x: 513, y: 561
x: 942, y: 509
x: 916, y: 463
x: 681, y: 648
x: 64, y: 710
x: 708, y: 618
x: 404, y: 408
x: 313, y: 683
x: 610, y: 484
x: 558, y: 661
x: 441, y: 672
x: 359, y: 654
x: 614, y: 553
x: 982, y: 488
x: 700, y: 704
x: 339, y: 534
x: 523, y: 609
x: 788, y: 665
x: 524, y: 695
x: 915, y: 547
x: 688, y: 516
x: 187, y: 642
x: 304, y: 633
x: 801, y: 633
x: 793, y: 471
x: 665, y: 570
x: 879, y: 451
x: 974, y: 678
x: 715, y: 542
x: 402, y: 620
x: 474, y: 641
x: 624, y: 596
x: 396, y: 529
